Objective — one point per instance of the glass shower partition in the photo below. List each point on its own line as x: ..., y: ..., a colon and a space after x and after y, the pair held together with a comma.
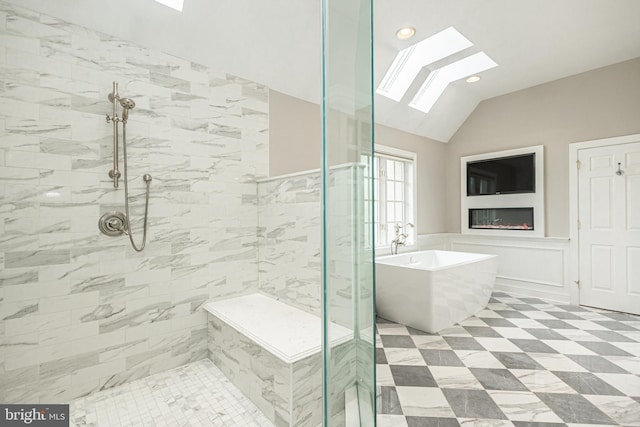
x: 348, y: 266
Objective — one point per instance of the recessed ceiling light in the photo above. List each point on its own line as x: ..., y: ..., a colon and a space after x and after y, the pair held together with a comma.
x: 473, y: 79
x: 410, y: 61
x: 173, y: 4
x: 405, y: 33
x: 438, y: 80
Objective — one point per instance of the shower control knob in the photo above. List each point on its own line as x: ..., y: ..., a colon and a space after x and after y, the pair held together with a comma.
x: 113, y: 224
x: 146, y: 178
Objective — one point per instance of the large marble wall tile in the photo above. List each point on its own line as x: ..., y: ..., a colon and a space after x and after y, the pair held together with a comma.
x: 80, y: 311
x: 289, y: 219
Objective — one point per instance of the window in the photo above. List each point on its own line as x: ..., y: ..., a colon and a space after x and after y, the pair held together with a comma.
x: 394, y: 195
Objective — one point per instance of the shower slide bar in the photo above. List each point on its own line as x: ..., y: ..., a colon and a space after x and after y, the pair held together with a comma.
x: 116, y: 223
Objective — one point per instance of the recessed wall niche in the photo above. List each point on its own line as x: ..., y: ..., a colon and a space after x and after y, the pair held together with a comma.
x: 502, y: 193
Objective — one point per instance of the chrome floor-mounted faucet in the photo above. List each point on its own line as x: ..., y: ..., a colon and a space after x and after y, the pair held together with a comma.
x: 401, y: 237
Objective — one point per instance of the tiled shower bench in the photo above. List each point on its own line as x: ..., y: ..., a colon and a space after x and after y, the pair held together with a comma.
x: 272, y: 352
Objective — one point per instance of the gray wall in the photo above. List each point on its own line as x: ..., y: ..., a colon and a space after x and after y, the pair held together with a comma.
x: 597, y: 104
x: 295, y: 146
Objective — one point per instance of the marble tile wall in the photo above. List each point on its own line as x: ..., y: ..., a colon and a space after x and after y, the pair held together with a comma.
x: 289, y: 221
x: 80, y: 311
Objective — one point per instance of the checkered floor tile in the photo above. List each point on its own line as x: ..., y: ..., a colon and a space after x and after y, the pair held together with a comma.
x: 521, y: 362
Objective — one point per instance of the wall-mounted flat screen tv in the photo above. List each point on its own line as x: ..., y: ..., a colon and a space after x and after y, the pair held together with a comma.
x: 503, y: 175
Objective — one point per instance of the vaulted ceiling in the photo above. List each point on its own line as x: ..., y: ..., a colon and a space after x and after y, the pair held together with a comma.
x: 277, y: 43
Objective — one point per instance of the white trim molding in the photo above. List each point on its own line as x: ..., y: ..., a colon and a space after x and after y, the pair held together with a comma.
x: 534, y: 266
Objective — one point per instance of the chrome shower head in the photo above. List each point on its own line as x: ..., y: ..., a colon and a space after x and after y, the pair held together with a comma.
x: 127, y: 103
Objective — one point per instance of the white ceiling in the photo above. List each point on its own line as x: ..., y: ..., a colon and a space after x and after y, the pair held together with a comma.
x: 277, y: 42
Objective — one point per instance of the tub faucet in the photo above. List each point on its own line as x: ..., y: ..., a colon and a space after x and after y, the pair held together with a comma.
x: 401, y: 237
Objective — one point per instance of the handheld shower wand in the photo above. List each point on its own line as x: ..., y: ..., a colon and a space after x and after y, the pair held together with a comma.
x: 116, y: 223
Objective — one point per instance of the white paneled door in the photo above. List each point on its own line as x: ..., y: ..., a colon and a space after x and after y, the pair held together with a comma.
x: 609, y: 221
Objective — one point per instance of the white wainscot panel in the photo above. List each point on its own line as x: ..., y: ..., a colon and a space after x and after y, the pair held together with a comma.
x: 528, y: 267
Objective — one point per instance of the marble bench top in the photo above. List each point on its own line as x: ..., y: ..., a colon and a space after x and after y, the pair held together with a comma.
x: 287, y: 332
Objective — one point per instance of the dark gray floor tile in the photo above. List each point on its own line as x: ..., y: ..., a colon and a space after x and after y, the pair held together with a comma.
x: 615, y: 325
x: 412, y: 376
x: 523, y: 307
x: 381, y: 358
x: 604, y: 348
x: 596, y: 364
x: 566, y: 315
x: 556, y: 324
x: 516, y: 360
x: 587, y: 383
x: 511, y: 314
x: 545, y: 334
x: 493, y: 301
x: 388, y: 402
x: 572, y: 308
x: 498, y: 322
x: 441, y: 358
x: 432, y: 422
x: 463, y: 343
x: 534, y: 424
x: 611, y: 336
x: 498, y: 379
x: 575, y: 409
x: 481, y: 331
x: 397, y: 341
x: 532, y: 300
x: 622, y: 317
x: 532, y: 346
x: 637, y: 399
x: 473, y: 404
x: 500, y: 294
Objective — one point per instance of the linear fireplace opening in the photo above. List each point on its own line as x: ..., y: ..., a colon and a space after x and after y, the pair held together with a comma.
x: 501, y: 219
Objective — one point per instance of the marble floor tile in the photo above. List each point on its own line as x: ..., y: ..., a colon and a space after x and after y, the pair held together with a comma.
x: 455, y: 377
x: 404, y: 356
x: 523, y: 406
x: 432, y: 422
x: 498, y: 344
x: 627, y: 384
x: 587, y: 383
x: 419, y: 401
x: 574, y: 408
x: 473, y: 404
x: 478, y: 359
x: 441, y: 357
x: 605, y: 348
x: 497, y: 379
x: 557, y: 362
x: 542, y: 381
x: 430, y: 342
x: 463, y: 343
x: 418, y: 376
x: 515, y: 332
x: 513, y: 360
x: 622, y: 409
x: 397, y: 341
x: 568, y: 347
x: 388, y: 402
x: 597, y: 364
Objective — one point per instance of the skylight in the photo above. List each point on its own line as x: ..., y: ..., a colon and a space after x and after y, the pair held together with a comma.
x: 438, y: 80
x: 173, y: 4
x: 410, y: 61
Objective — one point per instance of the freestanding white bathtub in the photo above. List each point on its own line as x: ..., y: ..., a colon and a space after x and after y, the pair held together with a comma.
x: 431, y: 290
